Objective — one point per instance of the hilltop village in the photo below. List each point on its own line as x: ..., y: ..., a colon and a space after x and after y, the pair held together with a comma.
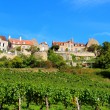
x: 10, y: 48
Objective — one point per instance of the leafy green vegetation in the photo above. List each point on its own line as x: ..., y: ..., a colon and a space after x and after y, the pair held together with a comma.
x: 103, y: 58
x: 54, y: 90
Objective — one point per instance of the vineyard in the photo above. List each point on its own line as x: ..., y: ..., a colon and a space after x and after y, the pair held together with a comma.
x: 28, y: 90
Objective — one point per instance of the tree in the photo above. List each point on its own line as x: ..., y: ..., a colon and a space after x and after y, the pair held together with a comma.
x: 56, y: 59
x: 66, y: 49
x: 18, y: 48
x: 73, y: 57
x: 33, y: 49
x: 103, y: 59
x: 55, y: 47
x: 94, y: 48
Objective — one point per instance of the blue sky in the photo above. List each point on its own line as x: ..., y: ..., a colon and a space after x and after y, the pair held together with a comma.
x: 58, y: 20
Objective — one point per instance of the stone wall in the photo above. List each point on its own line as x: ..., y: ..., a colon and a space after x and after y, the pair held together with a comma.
x: 41, y: 55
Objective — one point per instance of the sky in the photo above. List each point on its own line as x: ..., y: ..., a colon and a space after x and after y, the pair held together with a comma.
x: 56, y: 20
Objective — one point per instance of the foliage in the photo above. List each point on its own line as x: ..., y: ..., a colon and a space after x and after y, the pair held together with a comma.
x: 73, y: 57
x: 18, y: 48
x: 1, y: 51
x: 4, y: 58
x: 33, y: 49
x: 103, y: 59
x: 54, y: 88
x: 66, y: 49
x: 17, y: 62
x: 56, y: 59
x: 92, y: 48
x: 55, y: 47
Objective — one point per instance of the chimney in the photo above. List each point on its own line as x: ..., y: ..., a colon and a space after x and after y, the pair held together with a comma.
x: 20, y: 38
x: 9, y: 37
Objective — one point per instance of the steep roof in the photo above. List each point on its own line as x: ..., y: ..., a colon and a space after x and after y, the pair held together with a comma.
x: 20, y: 42
x: 3, y: 38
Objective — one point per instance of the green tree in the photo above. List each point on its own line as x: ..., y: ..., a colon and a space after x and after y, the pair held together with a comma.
x: 66, y: 49
x: 55, y: 47
x: 17, y: 62
x: 103, y: 59
x: 18, y: 48
x: 56, y: 59
x: 33, y: 49
x: 94, y: 48
x: 73, y: 57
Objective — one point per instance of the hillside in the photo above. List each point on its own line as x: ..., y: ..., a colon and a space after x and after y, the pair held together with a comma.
x: 60, y: 89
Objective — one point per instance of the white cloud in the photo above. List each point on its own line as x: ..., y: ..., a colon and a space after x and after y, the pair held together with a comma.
x: 102, y: 34
x: 83, y: 3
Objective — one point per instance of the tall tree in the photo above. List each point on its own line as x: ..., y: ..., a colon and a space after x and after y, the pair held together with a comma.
x: 103, y: 59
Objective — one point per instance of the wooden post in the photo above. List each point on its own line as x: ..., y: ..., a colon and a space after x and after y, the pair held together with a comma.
x: 47, y: 104
x: 19, y: 104
x: 78, y: 107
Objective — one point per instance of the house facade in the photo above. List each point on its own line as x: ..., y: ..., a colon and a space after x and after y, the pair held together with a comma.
x: 23, y: 44
x: 69, y: 46
x: 3, y: 44
x: 43, y: 47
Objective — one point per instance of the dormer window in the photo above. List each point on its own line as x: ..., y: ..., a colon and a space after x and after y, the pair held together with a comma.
x: 23, y: 42
x: 18, y: 42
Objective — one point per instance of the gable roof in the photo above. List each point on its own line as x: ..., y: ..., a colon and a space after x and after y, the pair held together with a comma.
x: 61, y: 43
x: 20, y: 42
x: 3, y: 38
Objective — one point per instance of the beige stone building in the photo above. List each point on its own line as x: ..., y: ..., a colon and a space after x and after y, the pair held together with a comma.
x: 43, y: 47
x: 76, y: 49
x: 70, y: 46
x: 24, y: 44
x: 3, y: 44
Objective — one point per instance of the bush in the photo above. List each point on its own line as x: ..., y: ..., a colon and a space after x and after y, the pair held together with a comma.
x: 56, y: 59
x: 17, y: 62
x: 67, y: 69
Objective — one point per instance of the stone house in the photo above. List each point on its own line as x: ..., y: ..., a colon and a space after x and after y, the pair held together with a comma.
x: 24, y: 44
x: 69, y: 46
x: 43, y: 47
x: 3, y: 44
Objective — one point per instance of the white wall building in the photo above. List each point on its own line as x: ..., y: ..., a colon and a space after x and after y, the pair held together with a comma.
x: 3, y: 44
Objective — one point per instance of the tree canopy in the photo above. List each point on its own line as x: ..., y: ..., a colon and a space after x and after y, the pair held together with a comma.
x: 33, y: 49
x: 103, y: 59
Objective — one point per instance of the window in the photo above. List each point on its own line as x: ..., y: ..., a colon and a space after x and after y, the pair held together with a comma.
x: 3, y: 44
x: 76, y: 50
x: 61, y: 49
x: 68, y: 45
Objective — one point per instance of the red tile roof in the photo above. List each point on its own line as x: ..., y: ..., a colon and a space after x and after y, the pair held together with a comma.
x: 20, y: 42
x: 3, y: 38
x: 61, y: 43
